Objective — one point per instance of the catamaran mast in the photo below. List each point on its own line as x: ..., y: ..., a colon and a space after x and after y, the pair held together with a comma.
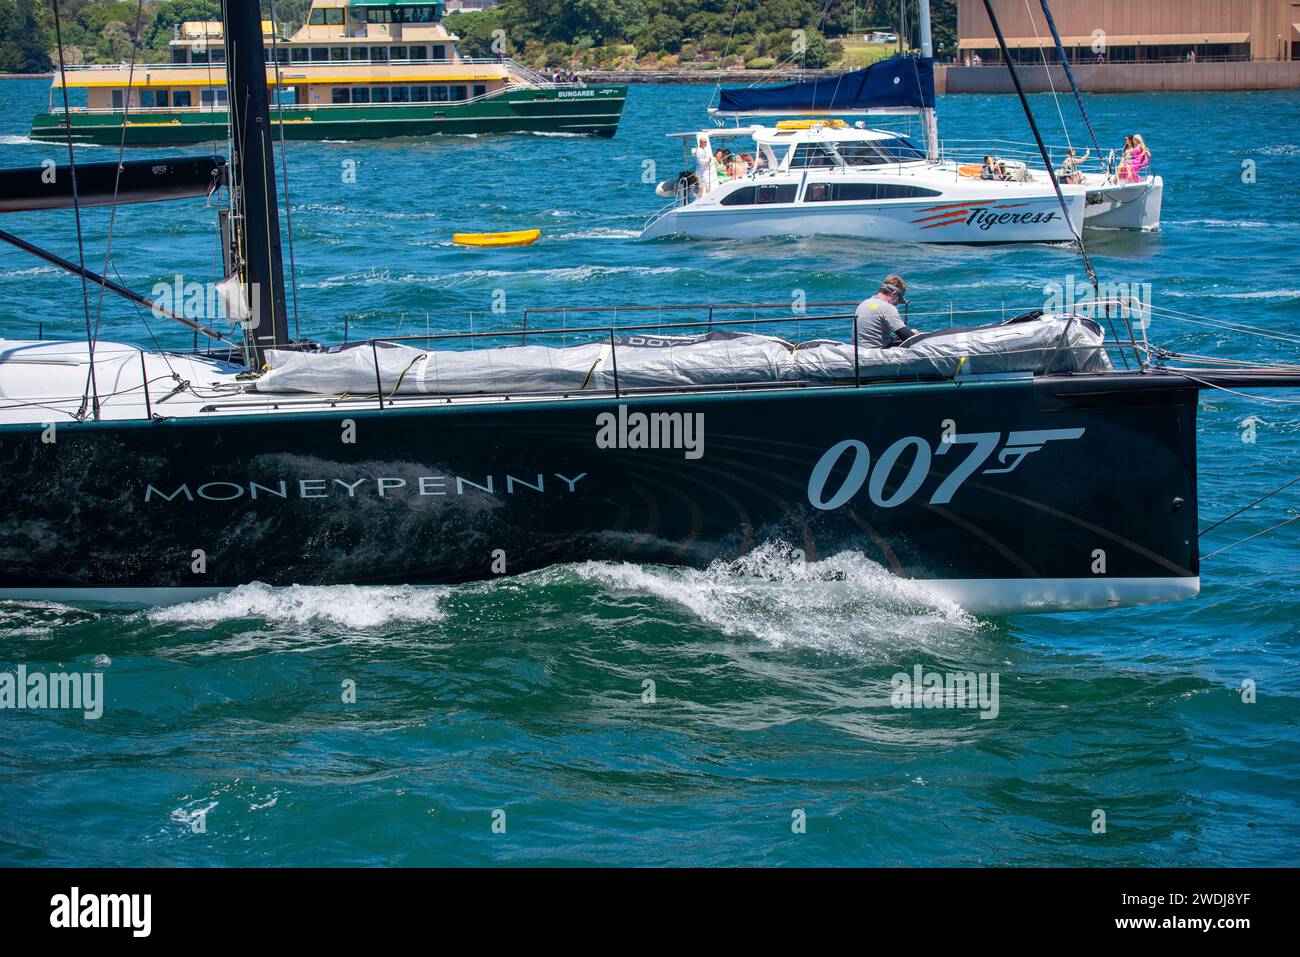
x: 929, y: 117
x: 253, y: 176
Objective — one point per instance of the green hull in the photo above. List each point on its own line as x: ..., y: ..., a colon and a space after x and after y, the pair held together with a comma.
x: 591, y: 110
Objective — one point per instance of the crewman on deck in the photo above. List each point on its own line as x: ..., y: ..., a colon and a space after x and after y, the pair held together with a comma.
x: 879, y: 324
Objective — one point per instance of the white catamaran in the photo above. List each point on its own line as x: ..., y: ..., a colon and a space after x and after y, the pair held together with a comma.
x: 819, y: 175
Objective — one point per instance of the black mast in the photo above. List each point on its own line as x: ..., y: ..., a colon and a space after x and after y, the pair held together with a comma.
x: 253, y: 175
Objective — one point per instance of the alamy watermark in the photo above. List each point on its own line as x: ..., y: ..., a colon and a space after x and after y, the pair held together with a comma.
x: 951, y: 689
x: 23, y: 690
x: 1118, y: 300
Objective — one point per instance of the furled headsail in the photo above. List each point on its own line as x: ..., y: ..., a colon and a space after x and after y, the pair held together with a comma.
x: 901, y: 83
x: 101, y: 184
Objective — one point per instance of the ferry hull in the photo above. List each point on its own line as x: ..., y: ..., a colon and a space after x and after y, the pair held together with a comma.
x: 1030, y: 503
x: 513, y: 111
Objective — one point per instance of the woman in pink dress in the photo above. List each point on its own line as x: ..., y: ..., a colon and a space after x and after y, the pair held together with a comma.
x: 1137, y: 157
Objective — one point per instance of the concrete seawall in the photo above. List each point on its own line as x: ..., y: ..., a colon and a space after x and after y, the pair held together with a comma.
x: 1125, y: 77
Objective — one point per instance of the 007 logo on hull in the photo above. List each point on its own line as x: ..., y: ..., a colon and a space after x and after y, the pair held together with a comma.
x: 1010, y: 454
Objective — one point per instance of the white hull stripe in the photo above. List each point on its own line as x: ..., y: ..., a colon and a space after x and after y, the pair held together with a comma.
x: 981, y: 596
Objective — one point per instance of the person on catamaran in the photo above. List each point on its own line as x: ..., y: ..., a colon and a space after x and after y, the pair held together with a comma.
x: 1070, y: 172
x: 879, y: 325
x: 703, y: 157
x: 1137, y: 157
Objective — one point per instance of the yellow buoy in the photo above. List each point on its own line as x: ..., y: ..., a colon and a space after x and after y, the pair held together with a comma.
x: 520, y: 237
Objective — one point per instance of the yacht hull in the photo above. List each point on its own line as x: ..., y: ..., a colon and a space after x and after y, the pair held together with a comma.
x: 1008, y: 495
x: 1021, y: 220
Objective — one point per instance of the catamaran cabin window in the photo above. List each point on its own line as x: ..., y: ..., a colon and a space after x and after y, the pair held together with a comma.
x: 181, y: 98
x: 812, y: 154
x: 846, y: 192
x: 901, y: 150
x: 863, y: 154
x: 341, y: 94
x: 361, y: 94
x: 319, y: 53
x: 760, y: 195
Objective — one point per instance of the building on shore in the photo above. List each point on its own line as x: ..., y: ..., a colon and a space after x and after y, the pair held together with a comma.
x: 1121, y: 46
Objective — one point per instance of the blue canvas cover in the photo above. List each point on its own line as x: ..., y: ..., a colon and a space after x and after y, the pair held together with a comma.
x: 899, y: 82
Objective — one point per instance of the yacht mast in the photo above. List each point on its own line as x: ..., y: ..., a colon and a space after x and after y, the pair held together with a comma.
x: 253, y: 176
x: 929, y: 117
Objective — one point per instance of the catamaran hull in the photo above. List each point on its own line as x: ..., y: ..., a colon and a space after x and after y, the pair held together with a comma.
x: 1008, y: 495
x: 1024, y: 220
x: 1125, y: 206
x: 594, y: 111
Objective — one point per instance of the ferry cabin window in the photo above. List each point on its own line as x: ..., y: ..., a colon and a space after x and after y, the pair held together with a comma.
x: 419, y: 94
x: 379, y: 94
x: 298, y: 54
x: 150, y: 98
x: 419, y: 53
x: 317, y: 17
x: 211, y: 96
x: 458, y: 93
x: 480, y: 89
x: 358, y: 53
x: 846, y: 192
x: 379, y: 54
x: 398, y: 53
x: 198, y: 56
x: 361, y: 94
x: 341, y: 94
x: 439, y: 52
x: 438, y: 94
x: 402, y: 15
x: 281, y: 54
x: 181, y: 98
x: 319, y: 54
x: 760, y: 195
x: 330, y: 15
x: 812, y: 154
x: 338, y: 53
x: 399, y: 94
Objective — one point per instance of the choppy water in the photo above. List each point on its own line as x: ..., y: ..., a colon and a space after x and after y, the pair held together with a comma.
x: 770, y: 685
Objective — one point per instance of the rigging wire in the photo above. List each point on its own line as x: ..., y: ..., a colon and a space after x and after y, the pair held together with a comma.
x: 117, y: 178
x: 1051, y: 84
x: 76, y: 211
x: 1229, y: 518
x: 284, y: 170
x: 1038, y: 139
x: 1271, y: 528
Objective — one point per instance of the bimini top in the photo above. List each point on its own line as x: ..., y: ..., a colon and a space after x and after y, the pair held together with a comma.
x: 899, y: 84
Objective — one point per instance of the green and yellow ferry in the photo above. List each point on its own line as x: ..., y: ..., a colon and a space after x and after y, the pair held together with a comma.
x: 357, y: 69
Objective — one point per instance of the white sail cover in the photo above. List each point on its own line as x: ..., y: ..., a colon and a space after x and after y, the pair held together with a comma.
x: 1039, y: 345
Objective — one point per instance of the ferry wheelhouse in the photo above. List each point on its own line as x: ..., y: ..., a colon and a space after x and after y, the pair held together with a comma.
x: 357, y: 69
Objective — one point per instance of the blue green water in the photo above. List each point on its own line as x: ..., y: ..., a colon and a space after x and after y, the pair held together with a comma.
x: 771, y: 693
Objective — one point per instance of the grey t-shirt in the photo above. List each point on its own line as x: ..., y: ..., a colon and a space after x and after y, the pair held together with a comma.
x: 878, y: 320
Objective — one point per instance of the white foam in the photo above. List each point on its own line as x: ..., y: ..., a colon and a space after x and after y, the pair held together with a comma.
x: 349, y: 606
x: 845, y: 602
